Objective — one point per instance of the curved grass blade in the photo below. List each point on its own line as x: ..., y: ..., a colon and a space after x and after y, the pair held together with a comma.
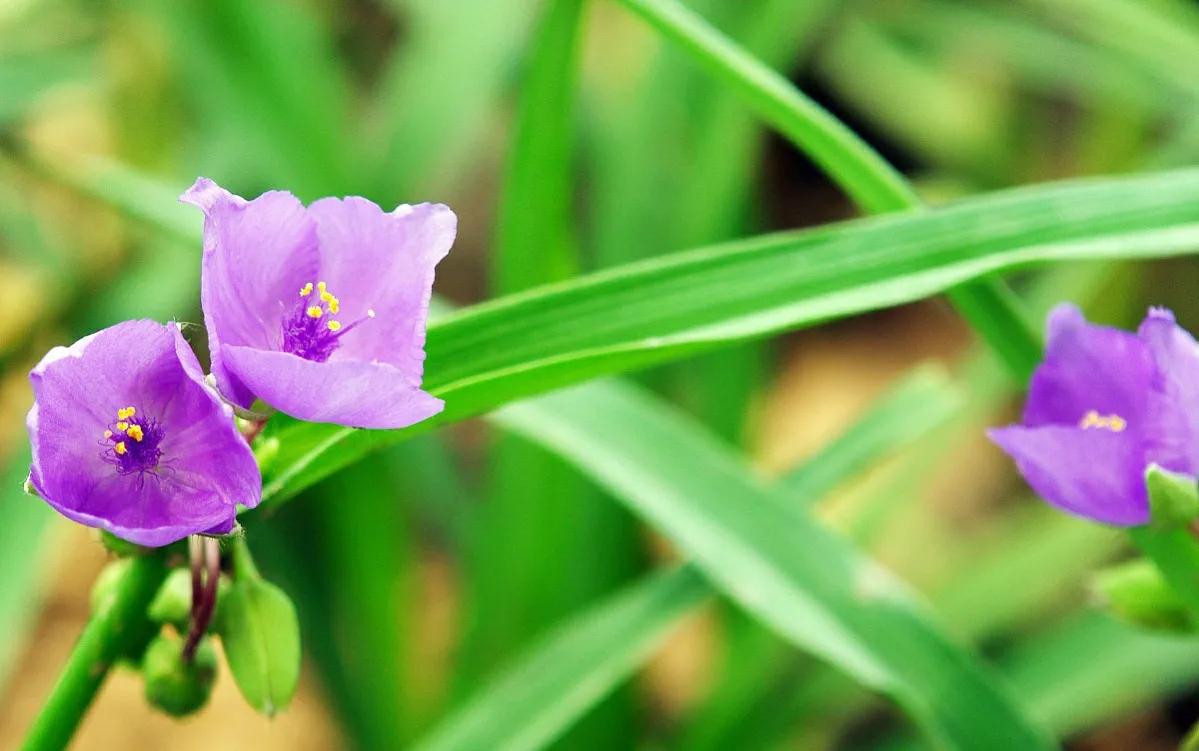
x: 809, y: 585
x: 874, y: 184
x: 572, y: 668
x: 677, y: 305
x: 923, y: 400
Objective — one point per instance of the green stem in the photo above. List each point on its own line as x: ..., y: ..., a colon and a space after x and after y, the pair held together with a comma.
x: 876, y: 186
x: 243, y: 563
x: 117, y: 628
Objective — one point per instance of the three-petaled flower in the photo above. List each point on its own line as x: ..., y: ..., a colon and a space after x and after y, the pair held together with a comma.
x: 1103, y: 406
x: 127, y: 437
x: 320, y: 311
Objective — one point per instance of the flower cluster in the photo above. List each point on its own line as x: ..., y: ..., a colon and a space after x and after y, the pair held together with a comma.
x: 317, y: 311
x: 1103, y: 407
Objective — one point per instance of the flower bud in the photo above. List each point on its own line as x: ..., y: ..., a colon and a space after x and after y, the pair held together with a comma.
x: 177, y: 687
x: 1136, y: 593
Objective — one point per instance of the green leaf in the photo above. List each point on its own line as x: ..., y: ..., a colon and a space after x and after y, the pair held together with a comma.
x: 670, y: 307
x: 807, y: 584
x: 533, y: 240
x: 258, y: 628
x: 873, y: 184
x: 1091, y: 669
x: 920, y: 402
x: 424, y: 133
x: 571, y: 668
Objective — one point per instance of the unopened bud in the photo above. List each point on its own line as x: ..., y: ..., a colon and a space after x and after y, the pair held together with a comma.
x: 177, y: 687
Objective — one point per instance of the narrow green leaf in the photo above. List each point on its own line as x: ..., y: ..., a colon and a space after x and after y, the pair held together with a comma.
x: 261, y: 636
x: 533, y: 242
x: 677, y: 305
x: 1092, y: 669
x: 920, y: 402
x: 570, y: 669
x: 806, y: 583
x: 468, y: 47
x: 874, y: 184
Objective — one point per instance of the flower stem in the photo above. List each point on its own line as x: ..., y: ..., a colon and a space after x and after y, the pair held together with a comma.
x: 206, y: 559
x: 118, y: 627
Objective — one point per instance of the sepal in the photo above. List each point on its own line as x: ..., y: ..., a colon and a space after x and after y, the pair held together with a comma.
x: 1173, y: 498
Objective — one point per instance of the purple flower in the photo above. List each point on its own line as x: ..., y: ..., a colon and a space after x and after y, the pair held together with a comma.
x: 1103, y: 406
x: 128, y: 438
x: 320, y: 311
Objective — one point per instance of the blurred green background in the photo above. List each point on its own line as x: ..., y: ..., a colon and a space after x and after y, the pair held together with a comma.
x: 422, y: 570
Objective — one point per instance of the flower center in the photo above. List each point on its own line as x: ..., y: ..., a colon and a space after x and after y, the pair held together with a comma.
x: 311, y: 331
x: 1093, y: 419
x: 131, y: 442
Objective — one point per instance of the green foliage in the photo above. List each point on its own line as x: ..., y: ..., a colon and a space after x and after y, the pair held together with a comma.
x: 640, y: 149
x: 684, y: 303
x: 805, y: 583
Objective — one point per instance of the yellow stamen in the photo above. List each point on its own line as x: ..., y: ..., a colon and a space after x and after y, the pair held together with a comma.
x: 135, y: 432
x: 315, y: 312
x: 321, y: 286
x: 334, y: 304
x: 334, y: 325
x: 306, y: 290
x: 122, y: 426
x: 126, y: 413
x: 1092, y: 419
x: 120, y: 448
x: 107, y: 434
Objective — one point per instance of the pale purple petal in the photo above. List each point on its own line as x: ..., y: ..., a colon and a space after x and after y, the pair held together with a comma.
x: 1088, y: 368
x: 205, y: 468
x: 382, y: 262
x: 257, y: 255
x: 346, y: 392
x: 1173, y: 437
x: 1096, y: 474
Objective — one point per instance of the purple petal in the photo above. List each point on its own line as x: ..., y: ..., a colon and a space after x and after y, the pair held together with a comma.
x: 1087, y: 368
x: 383, y: 262
x: 1174, y: 402
x: 206, y: 469
x: 1095, y: 474
x: 257, y: 256
x: 346, y: 392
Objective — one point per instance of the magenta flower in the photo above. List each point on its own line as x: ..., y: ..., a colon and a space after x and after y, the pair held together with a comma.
x: 320, y: 311
x: 1103, y: 406
x: 128, y: 438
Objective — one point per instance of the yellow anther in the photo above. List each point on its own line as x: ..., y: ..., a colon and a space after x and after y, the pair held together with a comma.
x: 321, y: 286
x: 1092, y: 419
x: 107, y: 434
x: 334, y: 304
x: 122, y: 426
x: 135, y: 432
x: 306, y: 290
x: 334, y: 325
x: 315, y: 312
x: 120, y: 448
x: 126, y: 413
